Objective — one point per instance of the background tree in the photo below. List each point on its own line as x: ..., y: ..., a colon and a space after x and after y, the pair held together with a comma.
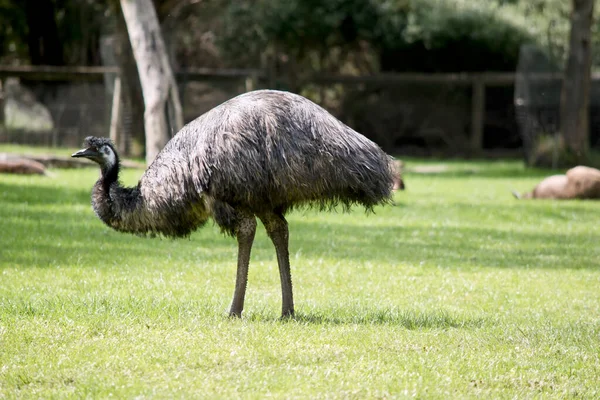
x: 156, y: 77
x: 131, y: 89
x: 575, y: 98
x: 13, y: 33
x: 45, y: 48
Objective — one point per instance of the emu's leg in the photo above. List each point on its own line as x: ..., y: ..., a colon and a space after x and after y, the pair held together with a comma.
x: 277, y: 229
x: 245, y: 236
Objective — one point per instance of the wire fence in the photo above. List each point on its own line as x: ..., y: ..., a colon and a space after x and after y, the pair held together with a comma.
x: 420, y: 114
x: 76, y: 109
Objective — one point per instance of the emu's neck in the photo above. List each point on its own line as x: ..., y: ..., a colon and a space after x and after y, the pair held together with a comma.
x: 114, y: 204
x: 149, y: 208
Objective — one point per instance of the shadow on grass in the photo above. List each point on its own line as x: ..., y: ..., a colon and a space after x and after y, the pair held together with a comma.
x: 42, y: 195
x: 448, y: 246
x: 56, y: 226
x: 409, y: 319
x: 65, y: 237
x: 65, y: 234
x: 491, y: 173
x: 482, y: 168
x: 62, y: 237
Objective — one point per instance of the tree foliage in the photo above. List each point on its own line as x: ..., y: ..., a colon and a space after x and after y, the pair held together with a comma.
x: 52, y: 31
x: 301, y: 32
x: 400, y: 35
x: 13, y: 32
x: 317, y: 35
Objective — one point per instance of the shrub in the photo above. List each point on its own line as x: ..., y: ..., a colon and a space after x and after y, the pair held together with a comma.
x: 454, y: 36
x: 389, y: 35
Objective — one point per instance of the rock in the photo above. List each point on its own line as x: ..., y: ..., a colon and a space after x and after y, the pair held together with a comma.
x: 19, y: 165
x: 52, y: 161
x: 578, y: 183
x: 22, y: 111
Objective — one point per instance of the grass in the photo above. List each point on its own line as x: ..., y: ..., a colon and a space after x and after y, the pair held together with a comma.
x: 22, y: 149
x: 456, y: 291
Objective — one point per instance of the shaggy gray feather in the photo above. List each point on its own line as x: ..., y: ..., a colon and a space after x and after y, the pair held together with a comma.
x: 263, y: 151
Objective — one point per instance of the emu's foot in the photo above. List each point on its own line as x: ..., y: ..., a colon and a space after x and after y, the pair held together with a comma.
x: 287, y: 314
x: 235, y: 313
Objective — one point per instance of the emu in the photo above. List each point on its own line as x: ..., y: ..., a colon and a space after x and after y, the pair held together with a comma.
x: 260, y: 154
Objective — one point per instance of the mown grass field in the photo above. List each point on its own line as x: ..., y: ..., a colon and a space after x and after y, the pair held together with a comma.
x: 456, y: 291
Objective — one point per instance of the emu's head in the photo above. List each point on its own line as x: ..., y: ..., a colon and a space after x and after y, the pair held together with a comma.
x: 99, y: 150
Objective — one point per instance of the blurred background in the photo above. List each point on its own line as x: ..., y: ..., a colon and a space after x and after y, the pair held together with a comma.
x: 442, y: 78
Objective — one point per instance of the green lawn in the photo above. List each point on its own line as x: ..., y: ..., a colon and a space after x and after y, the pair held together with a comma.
x: 21, y: 149
x: 456, y: 291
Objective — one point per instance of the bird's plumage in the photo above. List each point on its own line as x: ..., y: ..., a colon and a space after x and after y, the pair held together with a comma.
x: 260, y: 151
x: 259, y: 154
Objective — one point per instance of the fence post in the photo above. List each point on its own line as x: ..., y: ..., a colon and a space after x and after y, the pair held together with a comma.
x: 1, y: 102
x: 272, y: 70
x: 115, y: 113
x: 250, y: 83
x: 477, y: 114
x: 2, y: 117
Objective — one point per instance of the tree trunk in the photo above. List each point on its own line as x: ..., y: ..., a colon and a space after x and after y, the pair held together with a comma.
x: 574, y: 113
x: 132, y: 97
x: 156, y: 76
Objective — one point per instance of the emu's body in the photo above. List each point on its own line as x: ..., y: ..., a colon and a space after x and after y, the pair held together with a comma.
x: 257, y: 155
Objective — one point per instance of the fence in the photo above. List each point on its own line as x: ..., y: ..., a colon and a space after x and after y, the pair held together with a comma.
x: 80, y: 99
x: 465, y: 113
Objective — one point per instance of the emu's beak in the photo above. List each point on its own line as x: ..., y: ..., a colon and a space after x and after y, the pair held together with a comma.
x: 87, y: 153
